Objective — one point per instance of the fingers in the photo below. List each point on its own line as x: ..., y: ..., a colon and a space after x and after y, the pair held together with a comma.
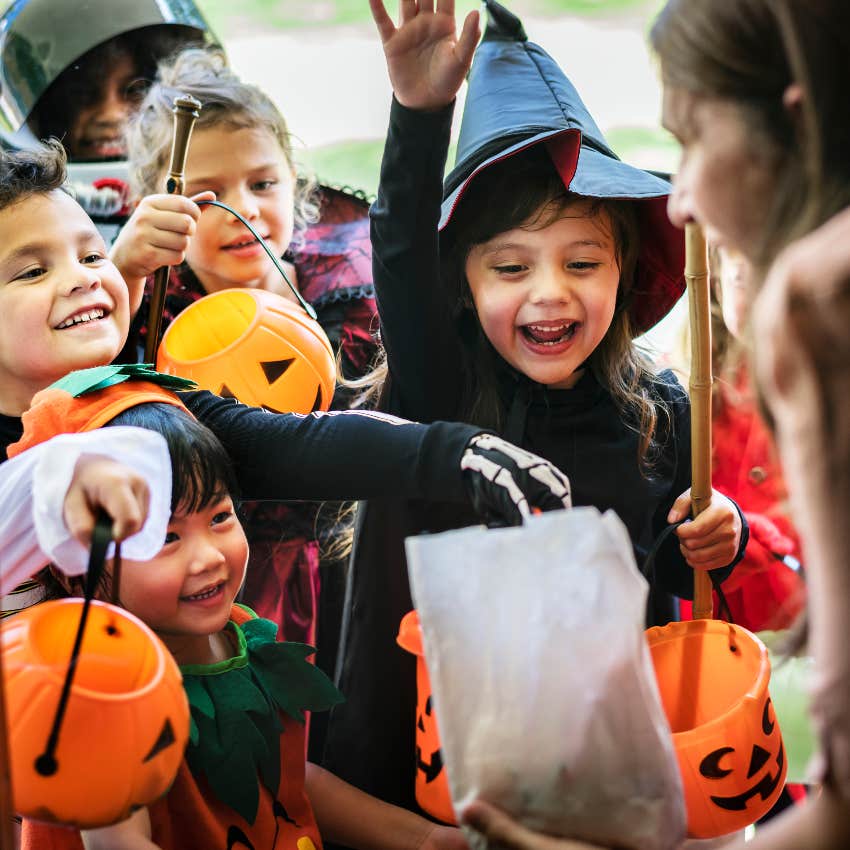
x: 407, y: 11
x: 383, y: 22
x: 468, y: 41
x: 681, y: 507
x: 100, y: 483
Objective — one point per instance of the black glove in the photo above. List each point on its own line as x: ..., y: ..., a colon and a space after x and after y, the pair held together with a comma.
x: 505, y: 482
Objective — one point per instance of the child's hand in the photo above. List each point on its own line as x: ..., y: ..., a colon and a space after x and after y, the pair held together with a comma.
x: 444, y: 838
x: 102, y: 483
x: 157, y: 234
x: 711, y: 540
x: 426, y: 61
x: 502, y: 831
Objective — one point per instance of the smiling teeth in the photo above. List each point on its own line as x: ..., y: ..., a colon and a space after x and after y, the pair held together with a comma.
x: 204, y: 594
x: 88, y: 316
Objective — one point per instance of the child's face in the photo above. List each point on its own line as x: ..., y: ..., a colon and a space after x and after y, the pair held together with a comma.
x: 63, y: 304
x: 735, y: 295
x: 248, y: 171
x: 545, y: 297
x: 185, y: 593
x: 97, y: 130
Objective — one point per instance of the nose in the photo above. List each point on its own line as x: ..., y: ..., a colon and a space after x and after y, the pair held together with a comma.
x: 551, y: 285
x: 113, y: 108
x: 245, y: 203
x: 679, y: 209
x: 83, y: 278
x: 205, y: 556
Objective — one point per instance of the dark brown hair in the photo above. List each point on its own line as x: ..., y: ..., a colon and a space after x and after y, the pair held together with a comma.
x: 749, y: 52
x: 25, y: 173
x: 527, y: 191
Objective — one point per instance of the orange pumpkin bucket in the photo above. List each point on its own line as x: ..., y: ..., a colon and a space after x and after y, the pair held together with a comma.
x: 713, y: 679
x: 126, y: 722
x: 254, y: 346
x: 432, y: 784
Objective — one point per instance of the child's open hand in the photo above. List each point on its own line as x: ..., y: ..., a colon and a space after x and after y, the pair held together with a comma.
x: 711, y: 540
x: 102, y: 483
x: 157, y: 234
x: 426, y: 61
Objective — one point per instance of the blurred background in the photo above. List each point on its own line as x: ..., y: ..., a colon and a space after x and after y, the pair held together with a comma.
x: 321, y: 61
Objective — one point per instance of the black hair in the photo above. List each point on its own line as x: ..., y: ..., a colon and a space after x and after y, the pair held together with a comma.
x: 24, y: 173
x: 201, y: 470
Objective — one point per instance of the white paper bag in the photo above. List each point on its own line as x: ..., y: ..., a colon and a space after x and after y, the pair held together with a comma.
x: 542, y: 682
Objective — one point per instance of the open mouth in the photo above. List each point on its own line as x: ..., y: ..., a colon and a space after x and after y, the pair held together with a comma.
x: 203, y: 595
x: 247, y: 242
x: 103, y: 147
x: 550, y: 333
x: 83, y: 317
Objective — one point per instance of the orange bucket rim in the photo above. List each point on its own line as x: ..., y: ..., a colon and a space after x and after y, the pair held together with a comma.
x: 57, y: 674
x: 410, y: 634
x: 678, y: 629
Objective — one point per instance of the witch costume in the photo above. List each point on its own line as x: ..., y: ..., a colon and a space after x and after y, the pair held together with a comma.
x: 518, y: 98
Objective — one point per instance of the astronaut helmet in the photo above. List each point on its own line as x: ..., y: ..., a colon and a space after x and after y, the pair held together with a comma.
x: 76, y: 70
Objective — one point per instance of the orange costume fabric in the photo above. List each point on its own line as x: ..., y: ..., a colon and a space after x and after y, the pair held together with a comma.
x: 191, y: 817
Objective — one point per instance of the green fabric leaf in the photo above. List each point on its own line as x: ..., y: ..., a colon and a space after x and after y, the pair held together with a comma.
x: 86, y: 381
x: 236, y: 710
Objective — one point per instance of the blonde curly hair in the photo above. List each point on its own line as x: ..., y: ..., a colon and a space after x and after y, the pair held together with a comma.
x: 227, y: 102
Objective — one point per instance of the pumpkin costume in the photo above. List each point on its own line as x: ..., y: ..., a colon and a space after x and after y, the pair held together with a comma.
x: 242, y: 781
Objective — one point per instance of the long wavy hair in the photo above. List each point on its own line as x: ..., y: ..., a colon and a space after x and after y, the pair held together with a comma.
x: 526, y: 191
x: 749, y: 52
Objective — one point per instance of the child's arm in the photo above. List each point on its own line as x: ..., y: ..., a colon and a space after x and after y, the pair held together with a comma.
x: 50, y: 495
x: 426, y: 66
x: 157, y: 234
x: 348, y: 816
x: 131, y: 834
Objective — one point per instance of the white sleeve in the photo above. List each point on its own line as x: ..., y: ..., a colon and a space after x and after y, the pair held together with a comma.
x: 33, y: 486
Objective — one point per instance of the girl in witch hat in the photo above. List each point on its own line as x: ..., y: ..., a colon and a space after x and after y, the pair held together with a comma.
x: 514, y: 306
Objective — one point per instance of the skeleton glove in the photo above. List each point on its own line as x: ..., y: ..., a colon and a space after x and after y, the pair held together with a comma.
x: 505, y: 482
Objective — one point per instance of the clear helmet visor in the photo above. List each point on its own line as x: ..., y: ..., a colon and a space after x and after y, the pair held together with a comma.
x: 39, y: 39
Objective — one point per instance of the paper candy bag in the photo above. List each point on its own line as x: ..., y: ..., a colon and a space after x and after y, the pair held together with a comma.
x: 542, y: 683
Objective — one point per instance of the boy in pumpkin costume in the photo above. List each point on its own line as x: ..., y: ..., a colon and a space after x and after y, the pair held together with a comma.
x: 243, y: 782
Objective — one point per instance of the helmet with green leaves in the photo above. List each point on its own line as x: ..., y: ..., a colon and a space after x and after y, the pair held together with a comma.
x: 42, y: 41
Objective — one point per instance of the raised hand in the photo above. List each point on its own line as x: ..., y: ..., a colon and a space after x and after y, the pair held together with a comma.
x: 426, y: 60
x: 506, y: 483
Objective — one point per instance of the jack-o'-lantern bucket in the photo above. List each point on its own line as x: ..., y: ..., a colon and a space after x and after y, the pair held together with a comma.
x: 713, y: 679
x: 432, y: 784
x: 126, y: 722
x: 254, y: 346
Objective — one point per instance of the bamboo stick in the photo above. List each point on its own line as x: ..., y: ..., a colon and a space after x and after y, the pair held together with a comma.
x: 696, y: 278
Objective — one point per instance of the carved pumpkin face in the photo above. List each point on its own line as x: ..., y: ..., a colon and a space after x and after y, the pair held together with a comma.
x: 432, y: 784
x: 712, y: 678
x: 127, y: 718
x: 254, y: 346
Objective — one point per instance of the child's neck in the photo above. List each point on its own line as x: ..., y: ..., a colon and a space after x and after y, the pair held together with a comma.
x: 200, y: 649
x: 270, y: 282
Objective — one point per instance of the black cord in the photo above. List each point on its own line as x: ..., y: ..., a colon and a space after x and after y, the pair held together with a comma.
x: 46, y: 764
x: 307, y: 306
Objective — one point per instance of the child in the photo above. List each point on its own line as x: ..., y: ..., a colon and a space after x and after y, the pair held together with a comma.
x: 63, y: 306
x: 519, y: 315
x: 241, y: 149
x: 77, y: 71
x: 244, y: 773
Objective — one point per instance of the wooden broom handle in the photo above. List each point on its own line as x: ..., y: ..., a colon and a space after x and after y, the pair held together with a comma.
x: 186, y: 110
x: 696, y: 278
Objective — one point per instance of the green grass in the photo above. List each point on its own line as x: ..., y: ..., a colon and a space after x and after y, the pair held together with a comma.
x: 227, y: 16
x: 645, y: 147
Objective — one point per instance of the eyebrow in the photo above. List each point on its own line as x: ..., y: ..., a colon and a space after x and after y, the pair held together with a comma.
x: 253, y: 170
x: 509, y: 246
x: 42, y: 247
